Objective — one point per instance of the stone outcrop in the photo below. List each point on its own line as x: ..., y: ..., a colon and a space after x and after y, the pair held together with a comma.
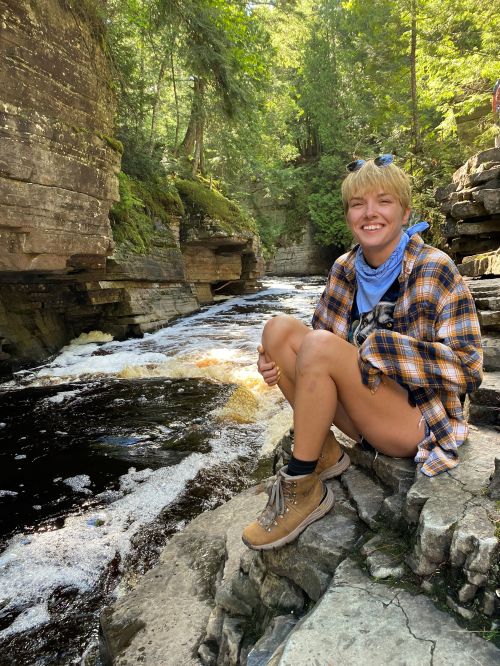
x: 221, y: 264
x: 471, y: 204
x: 395, y: 551
x: 304, y: 257
x: 58, y: 165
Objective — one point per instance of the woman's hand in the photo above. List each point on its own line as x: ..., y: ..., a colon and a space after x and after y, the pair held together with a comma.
x: 268, y: 369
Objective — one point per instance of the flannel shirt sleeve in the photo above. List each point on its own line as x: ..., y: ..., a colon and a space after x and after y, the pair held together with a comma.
x: 453, y: 362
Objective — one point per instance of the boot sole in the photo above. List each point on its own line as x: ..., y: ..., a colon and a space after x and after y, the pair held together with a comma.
x: 337, y: 469
x: 319, y: 512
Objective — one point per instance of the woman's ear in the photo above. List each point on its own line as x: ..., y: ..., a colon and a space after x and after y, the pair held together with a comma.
x: 406, y: 216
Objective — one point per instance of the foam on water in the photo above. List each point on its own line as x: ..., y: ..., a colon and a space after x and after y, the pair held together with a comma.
x: 225, y: 332
x: 76, y: 555
x: 218, y: 343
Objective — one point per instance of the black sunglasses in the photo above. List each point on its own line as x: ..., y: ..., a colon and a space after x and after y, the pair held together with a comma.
x: 380, y: 161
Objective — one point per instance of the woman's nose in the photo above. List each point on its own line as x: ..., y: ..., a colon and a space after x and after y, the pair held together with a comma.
x: 370, y: 209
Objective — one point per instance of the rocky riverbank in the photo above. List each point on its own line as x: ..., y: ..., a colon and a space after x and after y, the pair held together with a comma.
x: 404, y: 568
x: 415, y: 556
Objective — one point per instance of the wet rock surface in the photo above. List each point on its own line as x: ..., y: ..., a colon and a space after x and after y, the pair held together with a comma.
x: 165, y: 618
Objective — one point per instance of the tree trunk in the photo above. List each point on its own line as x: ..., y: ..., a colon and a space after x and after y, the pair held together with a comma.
x: 176, y: 98
x: 193, y: 139
x: 156, y: 104
x: 198, y: 159
x: 417, y: 147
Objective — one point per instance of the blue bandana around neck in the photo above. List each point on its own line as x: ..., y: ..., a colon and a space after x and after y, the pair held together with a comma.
x: 372, y: 283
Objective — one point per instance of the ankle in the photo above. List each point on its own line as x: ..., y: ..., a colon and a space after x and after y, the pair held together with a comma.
x: 300, y: 467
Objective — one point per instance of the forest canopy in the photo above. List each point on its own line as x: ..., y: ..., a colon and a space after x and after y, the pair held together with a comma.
x: 272, y: 99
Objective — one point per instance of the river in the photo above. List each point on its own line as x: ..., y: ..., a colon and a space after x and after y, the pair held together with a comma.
x: 111, y: 447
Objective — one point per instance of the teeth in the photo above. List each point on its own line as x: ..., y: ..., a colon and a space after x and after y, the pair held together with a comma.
x: 373, y: 227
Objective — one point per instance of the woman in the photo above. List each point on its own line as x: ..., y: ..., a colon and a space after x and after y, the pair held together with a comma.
x: 396, y: 341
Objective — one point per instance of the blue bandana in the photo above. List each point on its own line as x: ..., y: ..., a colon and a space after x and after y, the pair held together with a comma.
x: 372, y: 283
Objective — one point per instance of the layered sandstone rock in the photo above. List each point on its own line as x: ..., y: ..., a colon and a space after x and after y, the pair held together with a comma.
x: 58, y: 163
x: 471, y: 203
x: 58, y: 166
x: 305, y: 257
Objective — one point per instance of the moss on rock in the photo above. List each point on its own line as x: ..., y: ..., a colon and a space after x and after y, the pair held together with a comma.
x: 209, y: 209
x: 142, y: 205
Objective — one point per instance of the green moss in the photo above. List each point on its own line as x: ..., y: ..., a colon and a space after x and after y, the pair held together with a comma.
x: 208, y: 208
x: 113, y: 143
x: 134, y: 219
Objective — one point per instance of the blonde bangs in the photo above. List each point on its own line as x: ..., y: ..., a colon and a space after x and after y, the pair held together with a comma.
x: 370, y: 178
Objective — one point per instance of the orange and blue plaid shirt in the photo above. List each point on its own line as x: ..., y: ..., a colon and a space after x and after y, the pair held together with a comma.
x: 433, y: 348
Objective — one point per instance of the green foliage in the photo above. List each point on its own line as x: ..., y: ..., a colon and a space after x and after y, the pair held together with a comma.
x: 133, y: 218
x: 205, y: 206
x: 294, y: 89
x: 325, y: 204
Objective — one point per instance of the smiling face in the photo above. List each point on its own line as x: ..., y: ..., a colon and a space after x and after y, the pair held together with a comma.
x: 376, y: 219
x: 376, y: 202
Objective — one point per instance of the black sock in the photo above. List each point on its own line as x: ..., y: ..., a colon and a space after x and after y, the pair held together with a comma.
x: 298, y: 467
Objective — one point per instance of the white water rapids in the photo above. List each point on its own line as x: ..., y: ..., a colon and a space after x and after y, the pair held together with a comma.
x: 219, y: 344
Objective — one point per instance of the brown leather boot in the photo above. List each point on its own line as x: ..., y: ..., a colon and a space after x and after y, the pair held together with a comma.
x: 294, y: 503
x: 329, y: 463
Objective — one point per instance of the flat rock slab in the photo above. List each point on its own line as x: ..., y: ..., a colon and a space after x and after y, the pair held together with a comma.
x: 163, y: 620
x: 365, y: 494
x: 359, y: 621
x: 489, y: 391
x: 396, y: 473
x: 481, y: 265
x: 491, y: 350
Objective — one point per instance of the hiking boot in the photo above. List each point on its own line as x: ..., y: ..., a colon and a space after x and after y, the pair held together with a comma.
x: 294, y: 503
x: 330, y: 464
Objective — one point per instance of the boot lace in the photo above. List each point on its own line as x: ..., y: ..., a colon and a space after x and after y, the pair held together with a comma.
x: 279, y: 492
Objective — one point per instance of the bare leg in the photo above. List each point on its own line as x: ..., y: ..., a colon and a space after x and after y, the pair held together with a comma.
x: 282, y: 339
x: 327, y: 373
x: 321, y: 380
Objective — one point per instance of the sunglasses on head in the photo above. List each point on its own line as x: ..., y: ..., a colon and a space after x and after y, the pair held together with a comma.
x: 380, y: 161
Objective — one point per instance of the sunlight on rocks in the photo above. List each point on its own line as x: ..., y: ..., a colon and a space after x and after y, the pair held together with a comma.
x: 241, y: 407
x: 92, y: 336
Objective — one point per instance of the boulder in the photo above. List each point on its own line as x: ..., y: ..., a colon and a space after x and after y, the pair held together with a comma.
x: 484, y: 264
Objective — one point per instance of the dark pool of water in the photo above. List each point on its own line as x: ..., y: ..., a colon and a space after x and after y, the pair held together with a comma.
x: 101, y: 431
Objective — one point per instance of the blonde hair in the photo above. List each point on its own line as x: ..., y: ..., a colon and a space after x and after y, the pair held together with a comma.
x: 369, y: 177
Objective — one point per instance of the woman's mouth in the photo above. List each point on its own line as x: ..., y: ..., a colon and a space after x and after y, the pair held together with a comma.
x: 371, y: 227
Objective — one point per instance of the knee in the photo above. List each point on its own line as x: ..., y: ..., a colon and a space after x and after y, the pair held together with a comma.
x: 317, y: 351
x: 277, y: 330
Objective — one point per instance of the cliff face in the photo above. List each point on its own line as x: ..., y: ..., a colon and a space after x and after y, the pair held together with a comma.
x: 61, y: 273
x: 57, y: 168
x: 57, y: 172
x: 303, y: 258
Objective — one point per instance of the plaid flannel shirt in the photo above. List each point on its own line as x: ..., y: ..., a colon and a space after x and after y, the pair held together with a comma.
x: 433, y: 348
